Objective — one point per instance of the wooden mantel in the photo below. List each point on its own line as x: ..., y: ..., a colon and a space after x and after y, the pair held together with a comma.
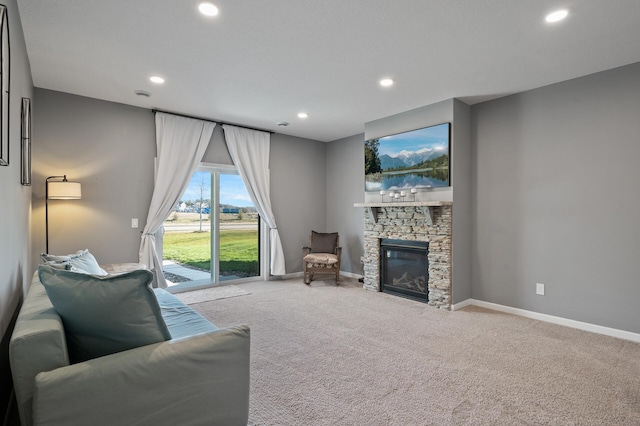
x: 405, y: 204
x: 374, y: 208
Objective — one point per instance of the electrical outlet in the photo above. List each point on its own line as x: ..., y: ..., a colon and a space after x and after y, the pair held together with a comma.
x: 540, y: 289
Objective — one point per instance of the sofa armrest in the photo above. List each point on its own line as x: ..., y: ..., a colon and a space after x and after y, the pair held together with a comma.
x: 37, y: 344
x: 202, y: 379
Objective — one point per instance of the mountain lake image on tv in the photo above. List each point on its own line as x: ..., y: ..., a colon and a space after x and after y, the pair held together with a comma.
x: 415, y: 159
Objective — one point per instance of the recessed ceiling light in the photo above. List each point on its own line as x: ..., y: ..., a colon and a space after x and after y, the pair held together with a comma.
x: 386, y: 82
x: 557, y: 16
x: 156, y: 79
x: 142, y: 93
x: 208, y: 9
x: 303, y: 115
x: 282, y: 123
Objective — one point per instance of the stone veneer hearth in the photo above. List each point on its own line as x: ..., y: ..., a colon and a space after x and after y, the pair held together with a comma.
x: 419, y: 221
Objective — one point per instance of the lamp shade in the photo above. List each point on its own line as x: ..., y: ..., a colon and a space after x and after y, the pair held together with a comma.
x: 65, y: 190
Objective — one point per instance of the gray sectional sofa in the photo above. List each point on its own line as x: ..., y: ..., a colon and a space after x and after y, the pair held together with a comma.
x: 200, y: 376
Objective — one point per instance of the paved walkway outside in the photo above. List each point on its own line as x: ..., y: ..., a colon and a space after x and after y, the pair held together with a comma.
x: 189, y: 273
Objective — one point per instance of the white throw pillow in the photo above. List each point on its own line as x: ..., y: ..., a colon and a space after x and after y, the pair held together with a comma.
x: 82, y: 262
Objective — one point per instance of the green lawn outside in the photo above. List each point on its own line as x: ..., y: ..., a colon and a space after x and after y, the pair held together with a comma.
x: 238, y: 250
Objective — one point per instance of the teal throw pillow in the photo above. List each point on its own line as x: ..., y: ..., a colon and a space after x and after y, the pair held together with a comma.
x: 104, y: 314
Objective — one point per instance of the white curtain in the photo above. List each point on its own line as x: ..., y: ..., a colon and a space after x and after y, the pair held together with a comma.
x: 180, y: 143
x: 249, y: 151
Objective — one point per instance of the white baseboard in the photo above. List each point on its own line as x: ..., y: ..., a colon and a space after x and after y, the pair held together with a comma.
x: 350, y: 274
x: 286, y: 276
x: 607, y: 331
x: 462, y: 304
x: 301, y: 274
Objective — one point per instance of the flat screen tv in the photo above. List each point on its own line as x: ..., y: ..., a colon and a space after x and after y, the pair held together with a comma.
x: 415, y: 159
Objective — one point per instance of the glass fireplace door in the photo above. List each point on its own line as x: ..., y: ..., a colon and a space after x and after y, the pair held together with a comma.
x: 404, y: 268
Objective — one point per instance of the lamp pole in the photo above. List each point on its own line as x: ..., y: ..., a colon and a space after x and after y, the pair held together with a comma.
x: 46, y: 208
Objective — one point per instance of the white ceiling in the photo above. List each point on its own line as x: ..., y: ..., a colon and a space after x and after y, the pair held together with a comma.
x: 260, y: 62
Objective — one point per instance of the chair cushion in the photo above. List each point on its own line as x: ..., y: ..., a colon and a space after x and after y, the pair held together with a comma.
x: 323, y: 242
x: 104, y: 314
x: 321, y: 258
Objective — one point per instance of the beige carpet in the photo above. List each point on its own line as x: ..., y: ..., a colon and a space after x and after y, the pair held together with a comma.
x: 326, y: 355
x: 209, y: 294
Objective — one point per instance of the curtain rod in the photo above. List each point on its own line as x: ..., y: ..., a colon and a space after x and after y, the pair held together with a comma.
x: 213, y: 121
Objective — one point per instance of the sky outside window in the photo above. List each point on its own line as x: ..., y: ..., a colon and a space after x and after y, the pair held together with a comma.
x: 232, y: 189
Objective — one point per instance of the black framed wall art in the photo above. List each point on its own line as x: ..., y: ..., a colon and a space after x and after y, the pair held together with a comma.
x: 5, y: 57
x: 25, y: 164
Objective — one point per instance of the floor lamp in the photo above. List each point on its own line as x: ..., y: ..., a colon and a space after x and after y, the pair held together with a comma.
x: 58, y: 190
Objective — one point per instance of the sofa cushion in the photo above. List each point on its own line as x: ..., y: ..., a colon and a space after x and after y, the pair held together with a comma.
x: 81, y: 261
x: 181, y: 320
x: 104, y: 314
x: 323, y: 242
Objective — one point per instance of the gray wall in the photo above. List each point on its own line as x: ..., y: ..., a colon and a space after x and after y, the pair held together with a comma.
x: 345, y: 186
x: 15, y: 204
x: 298, y: 193
x: 109, y: 148
x: 461, y: 215
x: 217, y: 152
x: 556, y: 199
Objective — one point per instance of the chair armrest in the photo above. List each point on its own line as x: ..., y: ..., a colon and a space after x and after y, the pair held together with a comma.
x: 202, y: 379
x: 338, y: 252
x: 306, y: 251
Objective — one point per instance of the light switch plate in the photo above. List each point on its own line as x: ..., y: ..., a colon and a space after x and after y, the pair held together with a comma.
x: 134, y: 222
x: 540, y: 289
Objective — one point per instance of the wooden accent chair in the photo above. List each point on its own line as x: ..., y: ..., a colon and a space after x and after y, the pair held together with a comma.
x: 322, y: 256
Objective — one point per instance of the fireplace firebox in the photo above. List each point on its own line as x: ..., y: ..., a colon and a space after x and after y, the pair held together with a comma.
x: 404, y: 268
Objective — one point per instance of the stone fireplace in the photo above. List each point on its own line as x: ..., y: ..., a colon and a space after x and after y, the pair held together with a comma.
x: 427, y: 221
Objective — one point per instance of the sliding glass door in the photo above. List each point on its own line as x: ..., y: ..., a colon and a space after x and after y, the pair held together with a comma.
x: 238, y: 230
x: 213, y: 233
